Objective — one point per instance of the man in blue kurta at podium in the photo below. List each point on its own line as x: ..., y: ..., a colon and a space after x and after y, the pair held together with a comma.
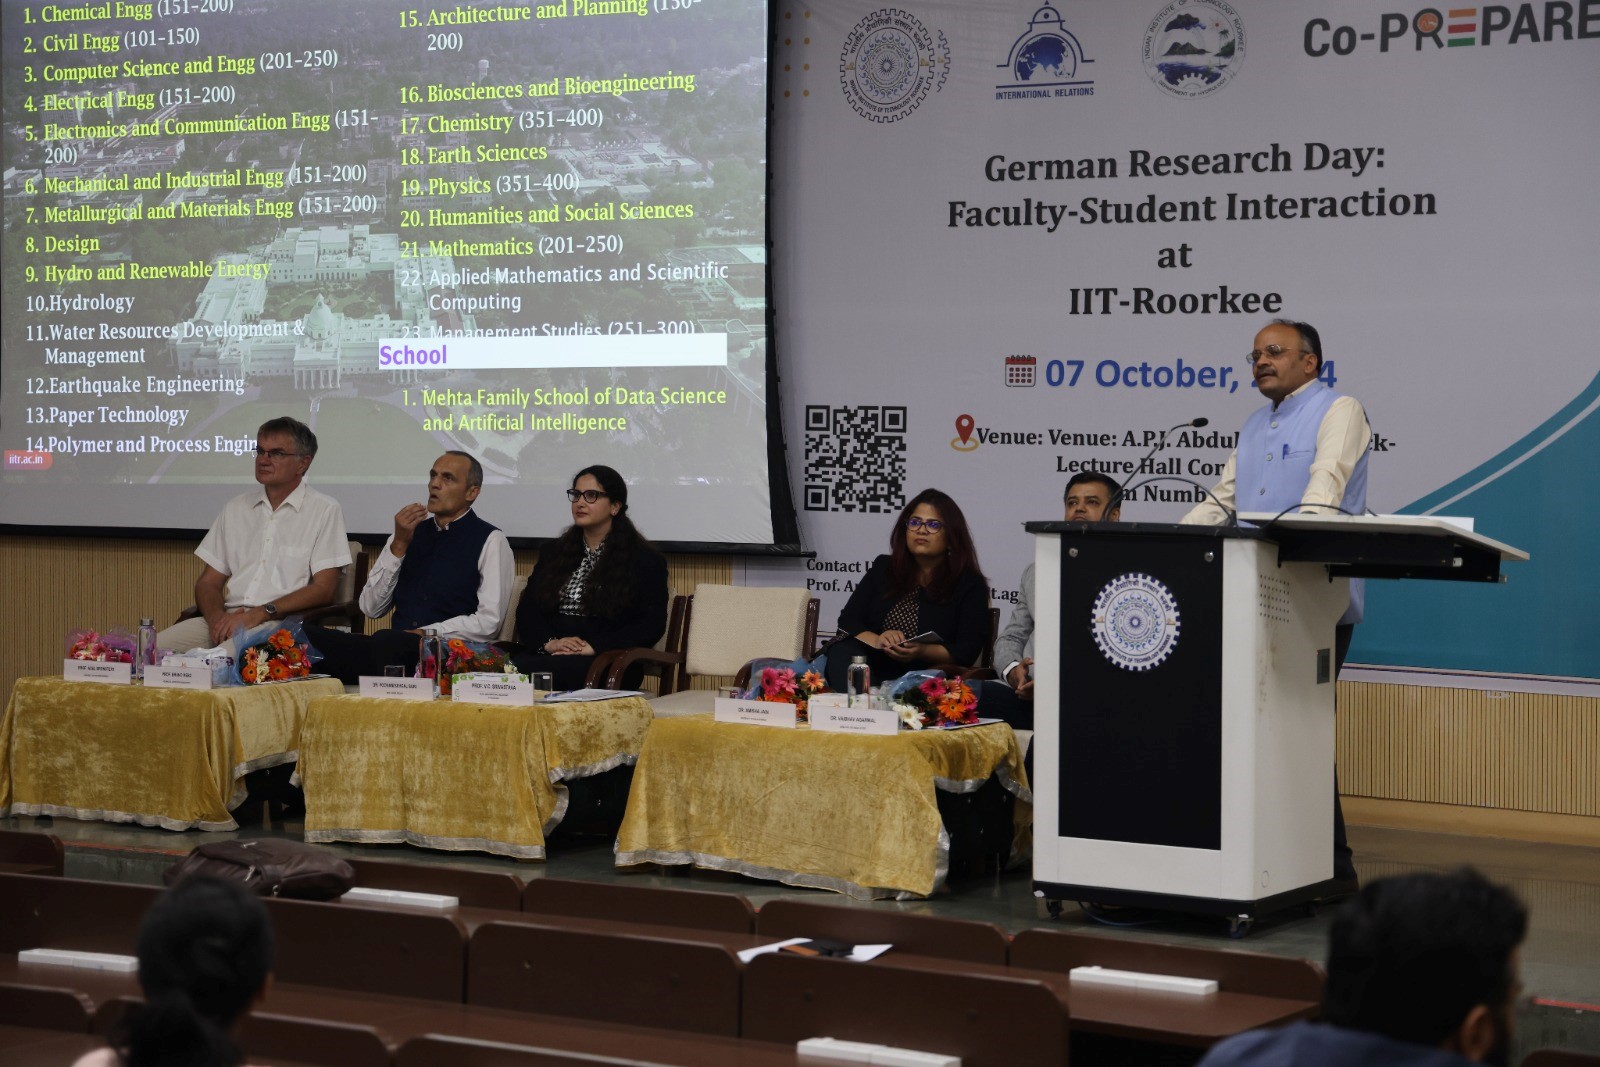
x: 1305, y: 451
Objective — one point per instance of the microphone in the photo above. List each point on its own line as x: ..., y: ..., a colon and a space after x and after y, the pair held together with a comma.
x: 1161, y: 442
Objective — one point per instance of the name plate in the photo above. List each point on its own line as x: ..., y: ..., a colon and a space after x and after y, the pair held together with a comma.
x: 489, y: 691
x: 97, y: 670
x: 161, y: 676
x: 830, y: 715
x: 381, y: 685
x: 754, y: 712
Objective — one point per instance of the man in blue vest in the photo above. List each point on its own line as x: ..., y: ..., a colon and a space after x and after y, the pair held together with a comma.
x: 443, y: 568
x: 1306, y: 451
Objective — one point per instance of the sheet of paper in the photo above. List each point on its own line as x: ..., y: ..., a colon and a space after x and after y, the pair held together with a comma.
x: 585, y: 695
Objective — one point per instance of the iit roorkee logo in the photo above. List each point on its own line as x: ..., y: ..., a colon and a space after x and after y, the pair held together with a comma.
x: 1135, y: 622
x: 890, y: 61
x: 1194, y: 47
x: 1045, y: 61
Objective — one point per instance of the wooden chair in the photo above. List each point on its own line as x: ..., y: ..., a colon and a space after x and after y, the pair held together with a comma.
x: 695, y: 909
x: 738, y: 624
x: 599, y: 670
x: 475, y: 889
x: 26, y: 852
x: 345, y: 609
x: 919, y: 935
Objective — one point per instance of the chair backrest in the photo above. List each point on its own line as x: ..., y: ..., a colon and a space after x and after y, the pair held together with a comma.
x: 696, y: 909
x: 986, y: 1020
x: 43, y: 911
x: 354, y: 577
x: 920, y: 935
x: 731, y: 625
x: 475, y: 889
x: 508, y: 628
x: 369, y: 950
x: 1235, y: 971
x: 637, y: 981
x: 313, y: 1041
x: 30, y: 852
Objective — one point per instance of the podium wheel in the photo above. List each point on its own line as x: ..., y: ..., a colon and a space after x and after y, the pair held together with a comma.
x: 1239, y: 926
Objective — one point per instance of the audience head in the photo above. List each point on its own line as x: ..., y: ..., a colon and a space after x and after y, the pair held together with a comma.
x: 1430, y: 959
x: 453, y: 484
x: 931, y: 535
x: 285, y: 448
x: 1087, y: 495
x: 1287, y: 355
x: 205, y: 954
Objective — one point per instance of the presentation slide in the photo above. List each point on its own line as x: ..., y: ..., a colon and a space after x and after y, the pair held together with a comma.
x: 536, y: 233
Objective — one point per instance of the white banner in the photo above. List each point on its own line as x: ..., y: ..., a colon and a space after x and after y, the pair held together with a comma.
x: 1012, y: 241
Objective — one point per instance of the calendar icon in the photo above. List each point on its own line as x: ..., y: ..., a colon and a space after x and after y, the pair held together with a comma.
x: 1021, y: 372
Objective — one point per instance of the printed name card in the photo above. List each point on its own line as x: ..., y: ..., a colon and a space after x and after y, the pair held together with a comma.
x: 491, y: 691
x: 97, y: 670
x: 754, y: 712
x: 830, y: 715
x: 373, y: 685
x: 162, y: 676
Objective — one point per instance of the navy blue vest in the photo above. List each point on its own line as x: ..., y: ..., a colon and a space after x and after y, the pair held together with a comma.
x: 439, y: 575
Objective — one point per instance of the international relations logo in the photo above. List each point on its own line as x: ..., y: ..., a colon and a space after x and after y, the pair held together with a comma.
x: 1046, y: 61
x: 1192, y: 48
x: 890, y: 63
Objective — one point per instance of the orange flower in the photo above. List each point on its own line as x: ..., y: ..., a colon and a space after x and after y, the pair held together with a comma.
x: 281, y: 639
x: 278, y: 670
x: 248, y: 673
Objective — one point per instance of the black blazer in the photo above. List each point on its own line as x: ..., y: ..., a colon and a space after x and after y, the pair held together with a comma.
x: 963, y: 620
x: 641, y: 624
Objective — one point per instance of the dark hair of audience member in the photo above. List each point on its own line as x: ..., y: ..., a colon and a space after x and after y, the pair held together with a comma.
x: 1409, y: 957
x: 610, y: 587
x: 1113, y: 487
x: 961, y: 555
x: 205, y: 950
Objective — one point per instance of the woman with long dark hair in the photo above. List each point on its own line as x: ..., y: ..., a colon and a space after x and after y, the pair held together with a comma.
x: 597, y: 587
x: 930, y: 582
x: 205, y: 956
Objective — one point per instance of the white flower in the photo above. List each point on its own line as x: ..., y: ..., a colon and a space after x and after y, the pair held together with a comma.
x: 910, y: 717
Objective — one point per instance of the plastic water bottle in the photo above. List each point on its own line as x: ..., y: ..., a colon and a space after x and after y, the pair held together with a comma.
x: 858, y: 681
x: 145, y: 654
x: 431, y: 645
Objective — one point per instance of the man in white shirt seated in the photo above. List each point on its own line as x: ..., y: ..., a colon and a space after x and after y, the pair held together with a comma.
x: 275, y: 551
x: 443, y: 568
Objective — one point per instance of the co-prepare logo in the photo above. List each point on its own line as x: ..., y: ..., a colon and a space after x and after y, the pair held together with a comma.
x: 1432, y: 29
x: 1045, y: 61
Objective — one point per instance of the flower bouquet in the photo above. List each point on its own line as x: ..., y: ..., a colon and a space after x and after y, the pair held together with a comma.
x: 936, y: 702
x: 274, y: 652
x: 114, y: 646
x: 783, y: 686
x: 462, y: 657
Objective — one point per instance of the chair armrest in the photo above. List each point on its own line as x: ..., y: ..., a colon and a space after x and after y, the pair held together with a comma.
x: 631, y: 656
x: 600, y: 669
x: 349, y: 612
x: 190, y: 612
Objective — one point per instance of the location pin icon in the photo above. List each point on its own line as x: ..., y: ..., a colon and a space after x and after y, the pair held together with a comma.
x: 964, y: 425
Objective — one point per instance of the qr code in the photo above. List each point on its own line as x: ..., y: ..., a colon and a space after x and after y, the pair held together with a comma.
x: 855, y: 459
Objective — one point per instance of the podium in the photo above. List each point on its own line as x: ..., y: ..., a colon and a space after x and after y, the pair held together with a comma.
x: 1184, y: 701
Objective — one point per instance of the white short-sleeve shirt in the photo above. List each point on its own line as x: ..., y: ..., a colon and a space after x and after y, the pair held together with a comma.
x: 267, y: 554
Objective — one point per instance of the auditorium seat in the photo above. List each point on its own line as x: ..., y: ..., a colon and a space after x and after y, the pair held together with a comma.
x: 267, y: 1038
x: 43, y: 1007
x: 27, y: 852
x: 921, y: 935
x: 635, y: 980
x: 474, y: 889
x: 989, y: 1020
x: 691, y: 908
x: 1560, y: 1057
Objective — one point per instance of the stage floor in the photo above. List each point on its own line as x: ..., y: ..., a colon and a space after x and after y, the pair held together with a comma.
x: 1559, y: 883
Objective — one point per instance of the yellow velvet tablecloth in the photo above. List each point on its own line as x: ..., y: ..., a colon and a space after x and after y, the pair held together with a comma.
x: 454, y: 775
x: 847, y: 812
x: 172, y: 758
